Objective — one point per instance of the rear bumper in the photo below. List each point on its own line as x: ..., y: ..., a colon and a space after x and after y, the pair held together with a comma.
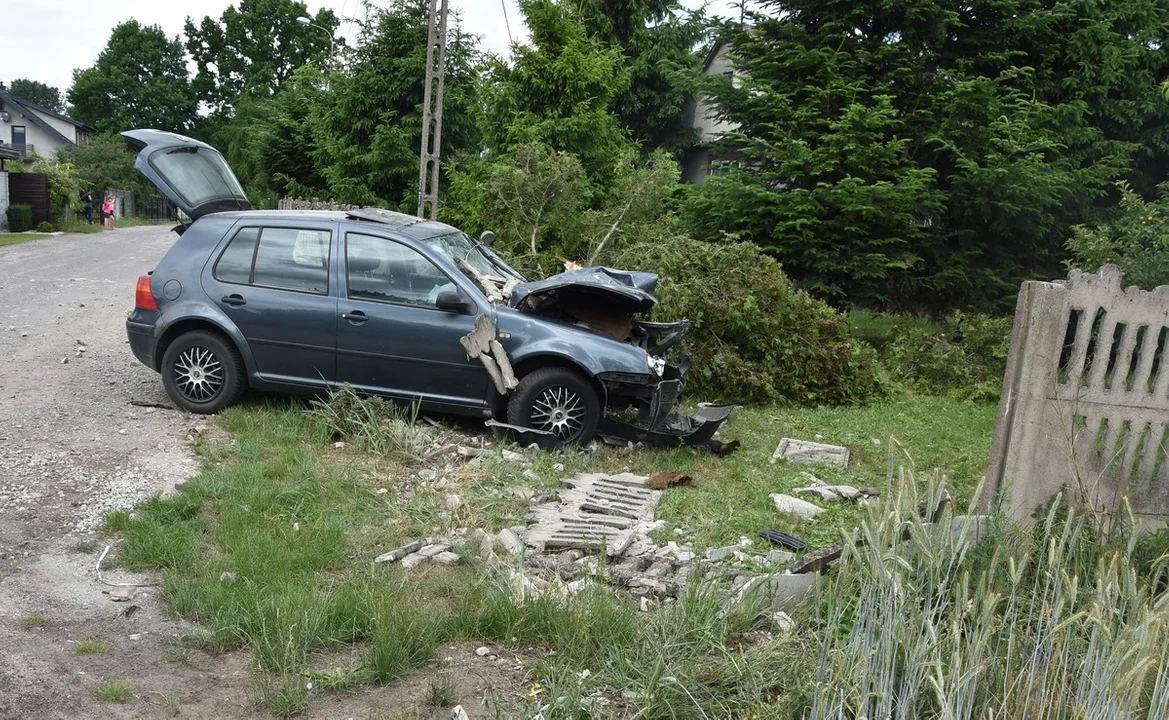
x: 141, y: 337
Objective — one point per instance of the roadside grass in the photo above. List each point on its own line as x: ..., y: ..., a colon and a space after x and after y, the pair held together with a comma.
x: 14, y: 238
x: 113, y: 690
x: 33, y: 621
x: 271, y: 548
x: 93, y: 647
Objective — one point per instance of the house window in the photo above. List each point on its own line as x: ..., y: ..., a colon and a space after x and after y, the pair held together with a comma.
x: 18, y: 136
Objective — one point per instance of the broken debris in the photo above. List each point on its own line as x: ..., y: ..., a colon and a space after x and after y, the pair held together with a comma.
x: 783, y: 539
x: 805, y: 451
x: 794, y: 506
x: 836, y: 493
x: 667, y: 479
x: 481, y: 343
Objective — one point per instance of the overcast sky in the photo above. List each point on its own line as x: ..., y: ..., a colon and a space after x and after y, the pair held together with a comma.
x: 46, y: 40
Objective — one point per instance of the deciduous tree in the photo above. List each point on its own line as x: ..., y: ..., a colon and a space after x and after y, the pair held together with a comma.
x: 139, y: 81
x: 39, y: 93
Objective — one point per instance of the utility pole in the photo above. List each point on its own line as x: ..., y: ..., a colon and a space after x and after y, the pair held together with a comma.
x: 431, y: 150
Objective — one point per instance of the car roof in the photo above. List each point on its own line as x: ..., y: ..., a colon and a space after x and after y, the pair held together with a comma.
x: 412, y: 227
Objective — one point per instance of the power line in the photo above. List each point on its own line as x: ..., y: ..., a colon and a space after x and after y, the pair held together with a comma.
x: 506, y: 23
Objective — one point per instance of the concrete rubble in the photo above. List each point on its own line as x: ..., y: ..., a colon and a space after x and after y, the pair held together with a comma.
x: 794, y: 506
x: 805, y: 451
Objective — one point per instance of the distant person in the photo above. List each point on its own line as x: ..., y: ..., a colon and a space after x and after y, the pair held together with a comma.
x: 107, y: 210
x: 88, y: 207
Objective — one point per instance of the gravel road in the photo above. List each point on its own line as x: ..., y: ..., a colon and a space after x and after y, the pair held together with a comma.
x: 73, y: 448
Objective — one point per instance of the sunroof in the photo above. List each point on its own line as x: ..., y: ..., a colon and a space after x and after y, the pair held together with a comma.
x: 385, y: 217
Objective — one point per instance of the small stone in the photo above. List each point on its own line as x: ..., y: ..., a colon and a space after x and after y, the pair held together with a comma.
x: 64, y: 360
x: 452, y: 502
x: 781, y: 622
x: 228, y: 576
x: 511, y: 542
x: 447, y: 558
x: 794, y: 506
x: 531, y: 475
x: 412, y: 561
x: 512, y: 456
x: 427, y: 475
x: 382, y: 491
x: 432, y: 550
x: 458, y: 713
x: 122, y: 594
x: 483, y: 651
x: 645, y: 604
x: 339, y: 444
x: 716, y: 554
x: 803, y: 451
x: 558, y: 467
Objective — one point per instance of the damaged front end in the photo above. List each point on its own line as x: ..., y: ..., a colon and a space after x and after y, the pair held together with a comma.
x: 640, y: 407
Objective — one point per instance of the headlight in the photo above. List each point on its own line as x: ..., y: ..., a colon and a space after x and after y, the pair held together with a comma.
x: 656, y: 364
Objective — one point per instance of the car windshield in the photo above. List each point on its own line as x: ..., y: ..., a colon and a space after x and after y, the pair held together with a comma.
x: 470, y: 257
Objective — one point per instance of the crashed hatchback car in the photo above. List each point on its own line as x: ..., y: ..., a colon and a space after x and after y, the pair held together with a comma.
x: 395, y: 306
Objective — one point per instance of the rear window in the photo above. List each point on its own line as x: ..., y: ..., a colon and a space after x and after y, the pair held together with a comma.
x: 198, y: 175
x: 285, y: 258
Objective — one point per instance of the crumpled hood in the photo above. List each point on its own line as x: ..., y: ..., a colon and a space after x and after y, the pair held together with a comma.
x: 631, y: 291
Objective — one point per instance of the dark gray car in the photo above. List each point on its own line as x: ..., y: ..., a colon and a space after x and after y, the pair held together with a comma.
x: 395, y: 306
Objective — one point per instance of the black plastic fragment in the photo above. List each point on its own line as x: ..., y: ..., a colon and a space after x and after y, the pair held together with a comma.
x: 783, y: 539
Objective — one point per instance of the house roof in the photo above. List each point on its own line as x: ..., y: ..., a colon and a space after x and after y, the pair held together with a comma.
x: 42, y: 109
x: 26, y: 110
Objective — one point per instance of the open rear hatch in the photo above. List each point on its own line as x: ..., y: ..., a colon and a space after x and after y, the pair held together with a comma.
x: 192, y: 174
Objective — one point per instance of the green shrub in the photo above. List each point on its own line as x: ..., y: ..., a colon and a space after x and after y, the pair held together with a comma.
x: 965, y: 357
x: 46, y: 227
x: 1137, y: 240
x: 19, y: 218
x: 755, y: 337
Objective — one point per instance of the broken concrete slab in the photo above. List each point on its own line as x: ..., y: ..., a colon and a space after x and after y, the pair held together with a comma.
x: 782, y: 593
x: 596, y: 512
x: 795, y: 506
x: 805, y: 451
x: 407, y: 549
x: 447, y: 558
x: 430, y: 551
x: 780, y: 557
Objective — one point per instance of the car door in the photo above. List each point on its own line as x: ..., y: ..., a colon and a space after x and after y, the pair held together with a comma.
x: 392, y: 339
x: 272, y: 280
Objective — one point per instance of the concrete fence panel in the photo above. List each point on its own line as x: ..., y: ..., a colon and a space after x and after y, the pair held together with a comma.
x: 1085, y: 402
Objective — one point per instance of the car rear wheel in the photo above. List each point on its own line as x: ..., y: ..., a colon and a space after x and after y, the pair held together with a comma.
x: 202, y: 372
x: 559, y: 401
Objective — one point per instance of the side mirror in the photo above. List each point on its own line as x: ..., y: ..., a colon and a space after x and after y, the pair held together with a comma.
x: 452, y: 301
x: 486, y: 238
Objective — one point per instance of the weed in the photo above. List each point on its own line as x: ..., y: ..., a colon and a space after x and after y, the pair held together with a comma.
x: 33, y: 621
x: 338, y: 678
x: 84, y: 547
x: 93, y: 647
x: 282, y: 694
x: 379, y: 426
x: 178, y: 655
x: 115, y: 690
x: 440, y: 692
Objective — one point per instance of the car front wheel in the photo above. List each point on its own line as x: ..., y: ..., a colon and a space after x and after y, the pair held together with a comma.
x: 202, y: 372
x: 556, y: 400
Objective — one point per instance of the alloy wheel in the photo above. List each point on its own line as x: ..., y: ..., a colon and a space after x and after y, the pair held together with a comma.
x: 558, y: 410
x: 198, y: 374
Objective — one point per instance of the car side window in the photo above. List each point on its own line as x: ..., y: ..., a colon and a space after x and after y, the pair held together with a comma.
x: 284, y: 258
x: 386, y: 271
x: 235, y: 264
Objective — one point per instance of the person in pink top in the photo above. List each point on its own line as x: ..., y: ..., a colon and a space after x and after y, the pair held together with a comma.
x: 107, y: 211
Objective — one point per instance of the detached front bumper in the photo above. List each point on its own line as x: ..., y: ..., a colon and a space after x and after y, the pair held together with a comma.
x: 658, y: 423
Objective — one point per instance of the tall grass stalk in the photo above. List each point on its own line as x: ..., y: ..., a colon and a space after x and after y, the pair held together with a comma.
x: 378, y: 426
x: 1044, y: 625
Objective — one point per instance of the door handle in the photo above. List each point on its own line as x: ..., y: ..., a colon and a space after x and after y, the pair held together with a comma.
x: 234, y: 300
x: 356, y: 317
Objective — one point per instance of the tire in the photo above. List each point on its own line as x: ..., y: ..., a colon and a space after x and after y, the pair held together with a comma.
x: 191, y: 366
x: 560, y: 391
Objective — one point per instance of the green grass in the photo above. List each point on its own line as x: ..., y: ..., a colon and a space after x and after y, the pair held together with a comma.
x: 298, y: 523
x: 33, y: 621
x: 14, y: 238
x: 113, y: 690
x: 93, y: 647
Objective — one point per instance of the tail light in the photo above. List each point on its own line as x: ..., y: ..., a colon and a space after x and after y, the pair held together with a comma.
x: 143, y: 297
